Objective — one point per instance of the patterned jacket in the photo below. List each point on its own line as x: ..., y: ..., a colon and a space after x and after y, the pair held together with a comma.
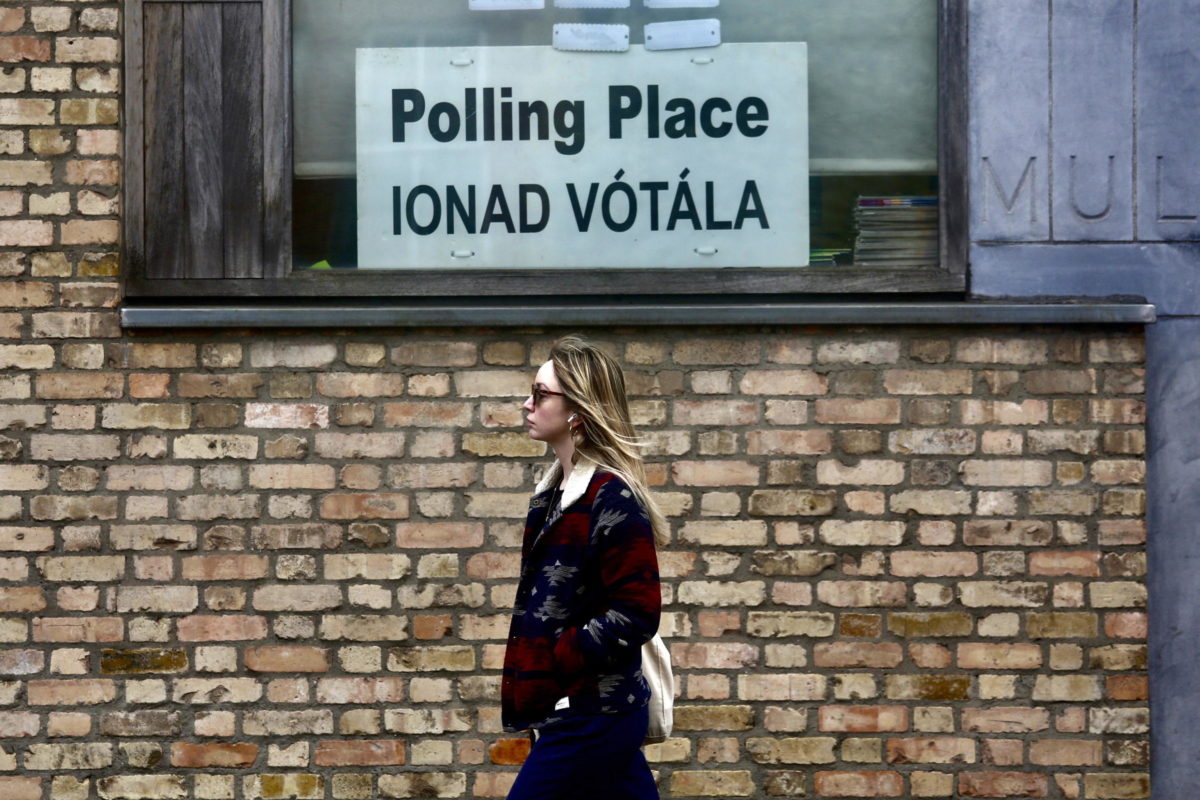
x: 587, y: 600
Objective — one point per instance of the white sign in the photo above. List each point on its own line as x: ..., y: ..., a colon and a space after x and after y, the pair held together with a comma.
x: 527, y: 157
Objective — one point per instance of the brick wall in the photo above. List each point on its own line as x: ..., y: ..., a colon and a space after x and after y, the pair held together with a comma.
x: 906, y: 562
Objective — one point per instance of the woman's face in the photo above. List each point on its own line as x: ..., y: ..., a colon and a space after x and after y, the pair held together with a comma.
x: 547, y: 421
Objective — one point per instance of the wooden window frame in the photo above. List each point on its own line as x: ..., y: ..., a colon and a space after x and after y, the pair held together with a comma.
x: 270, y: 276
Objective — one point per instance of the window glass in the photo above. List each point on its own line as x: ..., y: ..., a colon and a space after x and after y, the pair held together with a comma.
x: 866, y: 145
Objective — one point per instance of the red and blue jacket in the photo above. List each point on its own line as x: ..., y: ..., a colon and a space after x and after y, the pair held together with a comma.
x: 588, y: 599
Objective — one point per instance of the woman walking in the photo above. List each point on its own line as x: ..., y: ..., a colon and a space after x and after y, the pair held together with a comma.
x: 588, y: 596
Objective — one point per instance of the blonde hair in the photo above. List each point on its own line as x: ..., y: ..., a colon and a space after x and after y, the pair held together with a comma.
x: 594, y: 386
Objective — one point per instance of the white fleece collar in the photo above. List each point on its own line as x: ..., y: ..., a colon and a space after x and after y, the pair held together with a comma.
x: 575, y: 484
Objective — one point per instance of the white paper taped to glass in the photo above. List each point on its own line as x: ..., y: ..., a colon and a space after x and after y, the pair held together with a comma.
x: 547, y: 159
x: 591, y: 3
x: 591, y: 38
x: 683, y: 34
x: 682, y: 3
x: 504, y: 5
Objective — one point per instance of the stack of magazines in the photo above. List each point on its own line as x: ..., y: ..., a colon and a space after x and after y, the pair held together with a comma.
x: 830, y: 257
x: 896, y: 231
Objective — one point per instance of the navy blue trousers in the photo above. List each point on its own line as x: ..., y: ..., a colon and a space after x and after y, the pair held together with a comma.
x: 592, y: 756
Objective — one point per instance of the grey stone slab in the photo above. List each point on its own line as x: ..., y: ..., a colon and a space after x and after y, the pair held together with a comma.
x: 1165, y: 274
x: 1173, y: 549
x: 1092, y: 120
x: 1168, y: 105
x: 1009, y: 142
x: 880, y: 312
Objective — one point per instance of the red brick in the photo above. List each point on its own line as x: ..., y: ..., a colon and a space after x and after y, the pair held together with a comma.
x: 24, y: 48
x: 276, y: 658
x: 717, y: 351
x: 221, y: 628
x: 1126, y: 625
x: 931, y: 750
x: 360, y: 690
x: 426, y: 415
x: 718, y: 623
x: 931, y: 624
x: 926, y: 686
x: 225, y: 568
x: 1127, y: 687
x: 1118, y: 412
x: 863, y: 719
x: 930, y: 656
x: 375, y: 505
x: 860, y: 411
x: 21, y: 599
x: 859, y: 784
x: 493, y: 784
x: 360, y: 753
x: 150, y: 386
x: 1003, y: 752
x: 1116, y: 786
x: 78, y: 629
x: 432, y: 626
x: 435, y: 354
x: 788, y: 442
x: 926, y: 382
x: 27, y: 233
x: 1081, y: 563
x: 1003, y: 412
x: 84, y: 691
x: 509, y: 752
x: 726, y: 655
x: 230, y: 385
x: 18, y: 725
x: 103, y: 231
x: 85, y: 49
x: 1060, y: 381
x: 21, y: 662
x: 1007, y: 533
x: 715, y: 473
x: 1108, y: 473
x: 999, y: 656
x: 1066, y: 752
x: 883, y: 655
x: 784, y: 382
x: 11, y: 19
x: 93, y: 386
x: 20, y: 788
x: 1002, y: 784
x: 95, y: 172
x: 494, y: 565
x: 296, y: 536
x: 850, y: 594
x: 438, y: 535
x: 868, y: 626
x: 222, y: 755
x: 934, y: 565
x: 1005, y: 719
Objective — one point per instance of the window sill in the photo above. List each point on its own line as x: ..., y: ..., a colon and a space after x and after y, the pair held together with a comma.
x: 465, y: 314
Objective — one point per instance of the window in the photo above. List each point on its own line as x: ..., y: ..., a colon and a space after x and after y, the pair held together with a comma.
x: 267, y: 140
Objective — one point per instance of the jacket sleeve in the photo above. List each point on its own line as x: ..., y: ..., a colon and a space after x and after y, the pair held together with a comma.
x: 623, y: 542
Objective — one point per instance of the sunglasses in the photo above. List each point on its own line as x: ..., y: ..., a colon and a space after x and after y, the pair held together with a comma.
x: 540, y: 393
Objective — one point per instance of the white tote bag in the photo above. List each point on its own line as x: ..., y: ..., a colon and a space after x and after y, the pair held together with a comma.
x: 656, y: 667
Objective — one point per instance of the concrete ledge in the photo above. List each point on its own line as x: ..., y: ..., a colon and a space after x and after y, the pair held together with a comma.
x: 333, y: 315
